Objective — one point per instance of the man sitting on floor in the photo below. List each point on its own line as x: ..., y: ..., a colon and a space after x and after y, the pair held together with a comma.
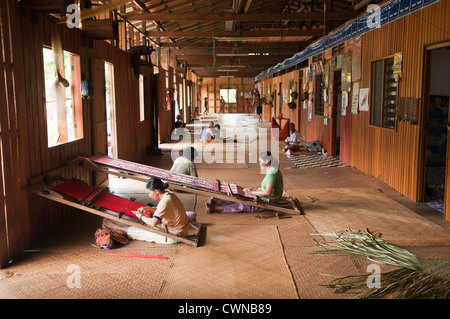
x: 292, y: 141
x: 184, y: 164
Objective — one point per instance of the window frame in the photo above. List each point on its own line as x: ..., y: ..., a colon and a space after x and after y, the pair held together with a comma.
x: 75, y: 98
x: 319, y: 103
x: 226, y: 96
x: 384, y: 105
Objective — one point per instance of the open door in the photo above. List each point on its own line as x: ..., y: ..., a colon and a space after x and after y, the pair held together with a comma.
x: 435, y: 153
x: 103, y: 124
x: 336, y: 114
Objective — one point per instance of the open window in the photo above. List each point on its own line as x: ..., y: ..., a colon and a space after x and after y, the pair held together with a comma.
x: 319, y: 103
x: 384, y: 94
x: 63, y: 102
x: 229, y: 95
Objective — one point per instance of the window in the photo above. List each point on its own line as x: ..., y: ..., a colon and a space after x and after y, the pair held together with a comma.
x: 384, y: 94
x: 319, y: 103
x: 63, y: 104
x: 291, y: 90
x: 141, y: 98
x: 229, y: 95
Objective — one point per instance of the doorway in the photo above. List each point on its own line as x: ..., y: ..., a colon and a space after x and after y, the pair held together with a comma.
x: 436, y: 124
x: 337, y: 106
x: 110, y: 110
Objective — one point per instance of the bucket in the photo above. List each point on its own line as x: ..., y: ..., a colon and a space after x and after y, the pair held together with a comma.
x: 191, y: 216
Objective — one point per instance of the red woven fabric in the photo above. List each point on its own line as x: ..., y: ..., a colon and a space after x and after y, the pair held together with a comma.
x: 277, y: 133
x: 106, y: 200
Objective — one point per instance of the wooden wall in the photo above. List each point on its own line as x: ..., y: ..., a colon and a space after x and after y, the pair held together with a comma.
x: 133, y: 136
x: 210, y: 87
x: 24, y: 217
x: 393, y: 156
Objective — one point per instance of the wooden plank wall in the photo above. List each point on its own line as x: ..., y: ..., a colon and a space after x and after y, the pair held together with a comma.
x: 23, y: 128
x: 133, y: 136
x: 283, y: 81
x: 210, y: 87
x: 393, y: 155
x: 26, y: 218
x: 309, y: 131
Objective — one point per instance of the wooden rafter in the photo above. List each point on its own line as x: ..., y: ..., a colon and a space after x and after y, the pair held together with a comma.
x: 237, y: 34
x: 237, y: 16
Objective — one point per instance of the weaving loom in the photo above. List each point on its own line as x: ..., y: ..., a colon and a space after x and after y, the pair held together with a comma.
x: 197, y: 185
x: 102, y: 203
x: 279, y: 133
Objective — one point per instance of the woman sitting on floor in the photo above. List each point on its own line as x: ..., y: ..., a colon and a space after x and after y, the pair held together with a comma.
x: 169, y: 212
x: 208, y: 134
x: 271, y: 188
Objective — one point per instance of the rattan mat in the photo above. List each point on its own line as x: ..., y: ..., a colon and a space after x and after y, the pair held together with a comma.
x: 338, y: 209
x: 238, y: 261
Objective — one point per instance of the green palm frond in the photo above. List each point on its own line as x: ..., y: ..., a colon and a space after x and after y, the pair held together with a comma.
x: 417, y: 277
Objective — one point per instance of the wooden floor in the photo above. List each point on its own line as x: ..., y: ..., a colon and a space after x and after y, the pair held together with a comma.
x: 236, y: 245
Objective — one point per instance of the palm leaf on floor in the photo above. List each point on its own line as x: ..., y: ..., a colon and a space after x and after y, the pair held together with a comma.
x: 416, y: 277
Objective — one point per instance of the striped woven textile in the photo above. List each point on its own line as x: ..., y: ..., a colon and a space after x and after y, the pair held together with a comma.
x: 174, y: 178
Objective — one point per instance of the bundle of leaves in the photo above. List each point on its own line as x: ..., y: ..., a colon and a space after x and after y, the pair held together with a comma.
x: 415, y: 277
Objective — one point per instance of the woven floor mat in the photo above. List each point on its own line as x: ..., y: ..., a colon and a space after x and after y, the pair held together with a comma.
x: 339, y: 209
x: 258, y: 218
x: 86, y: 273
x: 237, y: 261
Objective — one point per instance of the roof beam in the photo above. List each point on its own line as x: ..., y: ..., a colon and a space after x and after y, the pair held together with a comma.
x: 244, y: 34
x: 219, y: 60
x: 209, y: 16
x: 209, y: 50
x: 258, y: 44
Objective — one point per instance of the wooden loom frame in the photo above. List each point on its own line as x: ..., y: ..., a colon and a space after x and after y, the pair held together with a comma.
x: 41, y: 189
x: 293, y: 202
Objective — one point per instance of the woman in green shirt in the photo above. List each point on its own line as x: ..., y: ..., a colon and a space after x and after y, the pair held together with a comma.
x: 271, y: 188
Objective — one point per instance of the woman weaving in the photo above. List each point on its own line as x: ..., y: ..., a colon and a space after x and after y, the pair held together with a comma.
x: 271, y: 188
x: 169, y: 212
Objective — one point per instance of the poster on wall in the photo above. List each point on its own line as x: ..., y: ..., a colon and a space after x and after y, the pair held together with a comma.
x: 327, y: 70
x: 364, y: 99
x: 398, y: 58
x: 356, y: 59
x: 310, y: 111
x: 346, y: 73
x: 355, y: 97
x: 344, y: 103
